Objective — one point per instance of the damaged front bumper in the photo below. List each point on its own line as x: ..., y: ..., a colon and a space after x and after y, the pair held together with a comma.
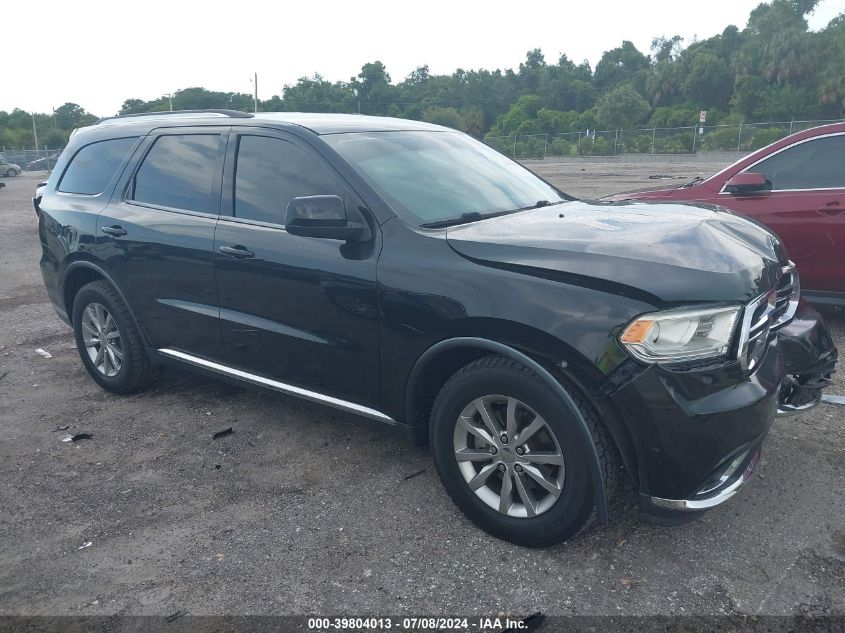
x: 790, y: 378
x: 810, y: 360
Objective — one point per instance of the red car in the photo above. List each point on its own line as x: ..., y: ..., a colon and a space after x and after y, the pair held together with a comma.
x: 796, y: 187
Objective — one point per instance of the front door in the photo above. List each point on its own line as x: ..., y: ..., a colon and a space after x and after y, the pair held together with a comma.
x: 295, y: 309
x: 805, y: 207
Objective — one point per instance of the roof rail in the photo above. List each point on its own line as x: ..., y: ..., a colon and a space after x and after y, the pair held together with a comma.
x: 235, y: 114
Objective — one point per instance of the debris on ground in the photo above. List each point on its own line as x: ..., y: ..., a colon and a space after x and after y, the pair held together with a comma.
x: 63, y: 427
x: 3, y: 375
x: 223, y: 433
x: 44, y: 353
x: 416, y: 474
x: 85, y: 544
x: 831, y: 399
x: 174, y: 616
x: 527, y: 624
x: 78, y: 437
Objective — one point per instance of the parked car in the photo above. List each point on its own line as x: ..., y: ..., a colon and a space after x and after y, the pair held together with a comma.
x: 545, y: 347
x: 42, y: 164
x: 796, y: 187
x: 9, y: 169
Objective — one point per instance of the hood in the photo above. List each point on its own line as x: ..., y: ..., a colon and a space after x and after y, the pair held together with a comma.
x: 658, y: 252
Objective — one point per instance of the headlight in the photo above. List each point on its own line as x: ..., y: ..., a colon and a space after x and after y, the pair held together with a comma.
x: 681, y: 335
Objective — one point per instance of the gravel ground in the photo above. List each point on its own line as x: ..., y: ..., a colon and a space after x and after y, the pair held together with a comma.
x: 303, y: 510
x: 604, y: 175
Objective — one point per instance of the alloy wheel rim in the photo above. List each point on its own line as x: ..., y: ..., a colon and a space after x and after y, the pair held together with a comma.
x: 509, y: 456
x: 102, y: 339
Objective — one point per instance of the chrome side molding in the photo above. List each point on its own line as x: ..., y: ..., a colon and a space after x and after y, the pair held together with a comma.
x: 785, y: 409
x: 281, y: 387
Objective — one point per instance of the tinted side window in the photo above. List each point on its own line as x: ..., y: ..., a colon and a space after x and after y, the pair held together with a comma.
x: 818, y: 164
x: 93, y: 166
x: 270, y: 172
x: 179, y: 172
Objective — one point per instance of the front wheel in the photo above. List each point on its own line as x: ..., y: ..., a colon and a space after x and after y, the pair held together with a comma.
x: 11, y: 173
x: 511, y: 455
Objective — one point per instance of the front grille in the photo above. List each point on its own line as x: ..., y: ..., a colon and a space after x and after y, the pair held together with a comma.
x: 757, y: 329
x: 765, y: 314
x: 787, y: 297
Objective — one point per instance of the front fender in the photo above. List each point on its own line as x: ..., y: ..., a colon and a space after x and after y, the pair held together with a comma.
x: 552, y: 383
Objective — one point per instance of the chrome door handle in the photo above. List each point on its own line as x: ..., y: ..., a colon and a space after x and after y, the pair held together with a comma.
x: 115, y: 230
x: 237, y: 251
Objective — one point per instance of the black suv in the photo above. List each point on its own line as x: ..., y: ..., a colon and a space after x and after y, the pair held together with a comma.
x: 544, y: 346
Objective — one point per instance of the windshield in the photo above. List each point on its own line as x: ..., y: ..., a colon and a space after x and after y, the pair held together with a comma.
x: 431, y: 177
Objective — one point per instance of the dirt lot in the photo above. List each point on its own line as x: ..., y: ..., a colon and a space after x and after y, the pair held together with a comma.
x: 303, y: 510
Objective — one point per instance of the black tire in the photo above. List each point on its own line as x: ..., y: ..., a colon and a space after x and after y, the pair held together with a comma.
x: 11, y: 173
x: 574, y: 508
x: 136, y: 372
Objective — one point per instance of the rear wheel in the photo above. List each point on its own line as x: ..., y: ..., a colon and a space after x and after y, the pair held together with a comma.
x: 108, y: 341
x: 511, y: 455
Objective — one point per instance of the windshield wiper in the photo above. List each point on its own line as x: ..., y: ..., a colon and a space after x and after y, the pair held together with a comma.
x: 472, y: 216
x: 465, y: 217
x: 542, y: 203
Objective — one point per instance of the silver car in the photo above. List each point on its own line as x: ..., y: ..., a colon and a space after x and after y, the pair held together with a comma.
x: 9, y: 169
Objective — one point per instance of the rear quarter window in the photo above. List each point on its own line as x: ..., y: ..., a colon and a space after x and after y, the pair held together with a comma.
x: 92, y: 167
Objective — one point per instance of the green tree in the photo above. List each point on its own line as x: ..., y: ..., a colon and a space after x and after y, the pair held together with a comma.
x: 831, y: 69
x: 70, y: 116
x: 666, y: 49
x: 622, y: 107
x: 624, y: 64
x: 708, y: 81
x: 449, y: 117
x: 373, y: 88
x: 315, y: 94
x: 133, y: 106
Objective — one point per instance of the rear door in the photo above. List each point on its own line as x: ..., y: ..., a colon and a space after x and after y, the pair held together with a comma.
x: 157, y: 238
x: 295, y: 309
x: 805, y: 207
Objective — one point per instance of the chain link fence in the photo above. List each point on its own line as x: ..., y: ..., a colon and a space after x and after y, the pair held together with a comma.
x: 739, y: 137
x: 31, y: 159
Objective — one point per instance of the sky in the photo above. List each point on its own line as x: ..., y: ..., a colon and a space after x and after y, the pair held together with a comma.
x: 99, y: 53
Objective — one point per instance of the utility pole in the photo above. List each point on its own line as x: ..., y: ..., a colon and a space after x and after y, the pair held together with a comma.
x: 34, y: 131
x: 256, y: 92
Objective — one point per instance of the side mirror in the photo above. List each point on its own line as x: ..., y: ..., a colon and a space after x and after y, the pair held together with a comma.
x: 323, y: 217
x: 747, y: 182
